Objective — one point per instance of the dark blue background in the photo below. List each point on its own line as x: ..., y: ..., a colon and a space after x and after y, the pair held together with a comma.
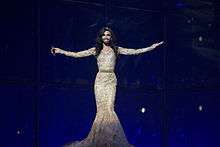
x: 48, y: 101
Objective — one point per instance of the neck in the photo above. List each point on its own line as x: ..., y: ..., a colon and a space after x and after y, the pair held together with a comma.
x: 105, y: 45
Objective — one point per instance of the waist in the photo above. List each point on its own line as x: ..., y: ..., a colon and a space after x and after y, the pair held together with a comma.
x: 106, y: 71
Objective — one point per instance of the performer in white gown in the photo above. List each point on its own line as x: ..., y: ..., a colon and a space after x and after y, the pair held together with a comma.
x: 106, y: 130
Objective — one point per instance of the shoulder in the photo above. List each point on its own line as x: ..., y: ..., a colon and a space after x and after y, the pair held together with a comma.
x: 120, y: 48
x: 93, y: 49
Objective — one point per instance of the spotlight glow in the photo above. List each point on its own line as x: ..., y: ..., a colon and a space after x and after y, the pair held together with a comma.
x: 200, y: 108
x: 18, y: 132
x: 143, y: 110
x: 200, y: 38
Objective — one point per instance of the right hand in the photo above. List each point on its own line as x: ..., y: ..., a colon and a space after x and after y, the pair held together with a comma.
x: 55, y: 50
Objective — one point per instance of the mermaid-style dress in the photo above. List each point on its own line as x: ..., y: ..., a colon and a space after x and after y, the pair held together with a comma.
x: 106, y: 130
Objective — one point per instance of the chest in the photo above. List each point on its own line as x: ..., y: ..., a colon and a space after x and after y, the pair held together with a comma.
x: 106, y: 56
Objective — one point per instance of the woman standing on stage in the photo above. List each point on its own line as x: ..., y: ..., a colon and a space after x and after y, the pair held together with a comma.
x: 106, y: 130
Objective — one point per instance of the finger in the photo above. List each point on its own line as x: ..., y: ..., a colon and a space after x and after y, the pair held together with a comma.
x: 160, y: 43
x: 53, y: 51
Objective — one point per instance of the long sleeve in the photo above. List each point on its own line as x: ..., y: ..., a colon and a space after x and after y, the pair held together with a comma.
x: 126, y: 51
x: 85, y: 53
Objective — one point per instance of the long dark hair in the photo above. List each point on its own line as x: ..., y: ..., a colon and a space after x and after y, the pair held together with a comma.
x: 99, y: 41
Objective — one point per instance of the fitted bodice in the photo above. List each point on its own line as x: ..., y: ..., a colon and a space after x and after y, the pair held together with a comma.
x: 106, y: 61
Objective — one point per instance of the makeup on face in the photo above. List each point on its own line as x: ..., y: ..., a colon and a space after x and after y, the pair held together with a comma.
x: 106, y: 37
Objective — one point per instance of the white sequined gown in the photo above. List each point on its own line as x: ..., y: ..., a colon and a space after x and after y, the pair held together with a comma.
x: 106, y: 130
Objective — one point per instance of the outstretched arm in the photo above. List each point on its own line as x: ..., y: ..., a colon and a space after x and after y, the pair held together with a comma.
x: 126, y: 51
x: 85, y: 53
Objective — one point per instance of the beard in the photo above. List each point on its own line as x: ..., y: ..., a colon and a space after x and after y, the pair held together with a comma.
x: 106, y: 41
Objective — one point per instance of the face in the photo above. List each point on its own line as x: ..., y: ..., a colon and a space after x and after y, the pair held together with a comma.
x: 106, y: 37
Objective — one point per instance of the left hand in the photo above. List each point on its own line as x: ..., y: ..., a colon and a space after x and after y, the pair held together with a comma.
x: 156, y: 44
